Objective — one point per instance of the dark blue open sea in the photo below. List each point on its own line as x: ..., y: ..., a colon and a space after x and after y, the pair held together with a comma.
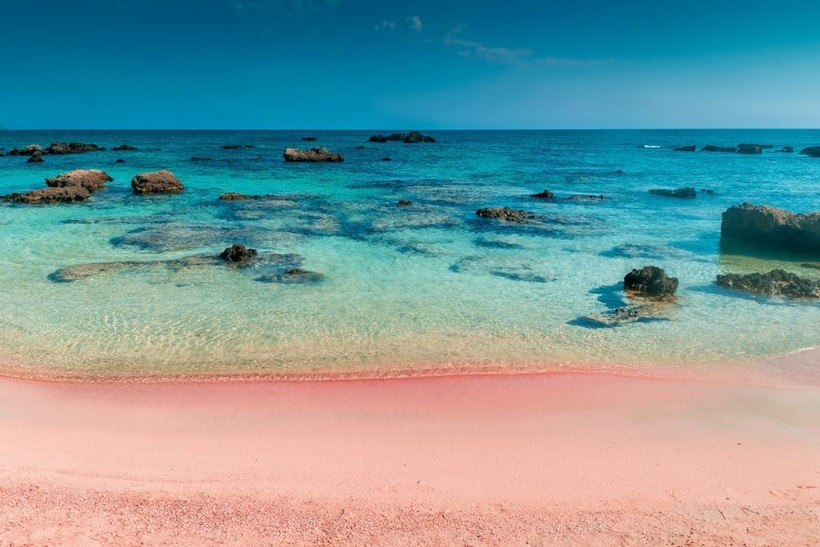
x: 419, y: 287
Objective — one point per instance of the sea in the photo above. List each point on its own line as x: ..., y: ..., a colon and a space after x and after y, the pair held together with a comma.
x: 349, y: 282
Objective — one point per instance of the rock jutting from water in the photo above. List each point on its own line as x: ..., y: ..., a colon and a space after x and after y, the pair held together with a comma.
x: 238, y: 254
x: 773, y: 283
x: 765, y: 226
x: 26, y: 151
x: 316, y: 154
x: 650, y: 281
x: 544, y: 194
x: 507, y: 214
x: 90, y: 179
x: 309, y: 139
x: 36, y: 157
x: 749, y: 149
x: 157, y: 182
x: 67, y: 194
x: 124, y: 148
x: 690, y: 148
x: 813, y: 151
x: 686, y: 193
x: 713, y: 148
x: 410, y: 138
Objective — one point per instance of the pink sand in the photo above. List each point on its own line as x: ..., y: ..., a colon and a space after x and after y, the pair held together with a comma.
x: 548, y: 458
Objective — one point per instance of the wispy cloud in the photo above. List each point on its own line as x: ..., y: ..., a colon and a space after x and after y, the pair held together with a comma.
x: 295, y: 7
x: 385, y: 25
x: 472, y: 49
x: 415, y: 23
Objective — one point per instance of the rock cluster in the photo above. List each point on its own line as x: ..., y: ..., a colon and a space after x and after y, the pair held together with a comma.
x: 506, y: 213
x: 775, y: 282
x: 410, y: 138
x: 90, y: 179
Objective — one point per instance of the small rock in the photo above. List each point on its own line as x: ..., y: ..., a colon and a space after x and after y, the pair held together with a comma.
x: 158, y: 182
x: 713, y: 148
x: 690, y: 148
x: 506, y: 213
x: 90, y: 179
x: 545, y: 194
x: 775, y: 282
x: 317, y: 154
x: 36, y: 157
x: 308, y: 139
x: 238, y: 254
x: 404, y: 202
x: 124, y: 148
x: 687, y: 192
x: 68, y: 194
x: 650, y: 281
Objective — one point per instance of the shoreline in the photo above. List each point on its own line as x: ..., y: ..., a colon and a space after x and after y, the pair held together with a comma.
x: 571, y: 457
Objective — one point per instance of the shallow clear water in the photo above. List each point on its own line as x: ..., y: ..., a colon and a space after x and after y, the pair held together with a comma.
x: 403, y: 287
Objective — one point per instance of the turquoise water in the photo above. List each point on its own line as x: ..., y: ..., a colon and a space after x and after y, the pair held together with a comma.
x: 429, y: 285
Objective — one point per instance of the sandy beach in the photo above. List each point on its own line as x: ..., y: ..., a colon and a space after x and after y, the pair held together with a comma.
x: 578, y: 458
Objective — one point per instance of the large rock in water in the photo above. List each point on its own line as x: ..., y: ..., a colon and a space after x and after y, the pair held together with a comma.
x: 505, y: 213
x: 813, y: 151
x: 650, y: 281
x: 315, y: 154
x: 27, y: 151
x: 775, y: 282
x: 90, y: 179
x: 772, y: 227
x: 68, y: 194
x: 158, y: 182
x: 750, y: 148
x: 410, y: 138
x: 36, y: 157
x: 713, y: 148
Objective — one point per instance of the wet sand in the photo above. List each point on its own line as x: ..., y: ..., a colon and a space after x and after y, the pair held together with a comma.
x: 565, y: 458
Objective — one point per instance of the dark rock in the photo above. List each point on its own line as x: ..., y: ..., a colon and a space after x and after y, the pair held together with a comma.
x: 404, y: 202
x: 238, y: 254
x: 387, y: 159
x: 749, y: 149
x: 707, y: 191
x: 61, y: 148
x: 813, y: 151
x: 308, y: 139
x: 124, y: 148
x: 236, y: 146
x: 293, y: 275
x: 650, y: 281
x: 811, y: 265
x: 775, y: 282
x: 68, y: 194
x: 586, y: 197
x: 787, y: 149
x: 36, y: 157
x: 411, y: 137
x: 618, y: 316
x: 236, y: 196
x: 766, y: 226
x: 713, y: 148
x: 119, y: 160
x: 690, y: 148
x: 619, y: 172
x: 158, y: 182
x: 90, y: 179
x: 200, y: 158
x: 317, y: 154
x: 27, y: 151
x: 506, y: 213
x: 360, y: 147
x: 687, y: 192
x: 545, y: 194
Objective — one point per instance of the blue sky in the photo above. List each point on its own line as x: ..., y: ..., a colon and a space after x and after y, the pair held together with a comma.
x: 422, y: 64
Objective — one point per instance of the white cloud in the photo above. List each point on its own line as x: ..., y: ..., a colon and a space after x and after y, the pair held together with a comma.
x: 415, y: 23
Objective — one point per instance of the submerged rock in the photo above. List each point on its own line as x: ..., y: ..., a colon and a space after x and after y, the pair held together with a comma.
x: 124, y: 148
x: 68, y: 194
x: 690, y: 148
x: 787, y: 149
x: 404, y: 202
x: 766, y: 226
x: 618, y: 316
x: 236, y: 196
x: 308, y: 139
x: 650, y: 281
x: 773, y: 283
x: 585, y: 197
x: 507, y: 214
x: 90, y: 179
x: 292, y: 275
x: 813, y: 151
x: 201, y: 158
x: 545, y: 194
x: 750, y: 148
x: 687, y: 192
x: 158, y: 182
x: 236, y: 146
x: 713, y: 148
x: 316, y: 154
x: 238, y: 254
x: 61, y: 148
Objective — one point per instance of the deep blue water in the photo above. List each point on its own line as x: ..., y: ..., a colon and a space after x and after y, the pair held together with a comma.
x: 430, y: 284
